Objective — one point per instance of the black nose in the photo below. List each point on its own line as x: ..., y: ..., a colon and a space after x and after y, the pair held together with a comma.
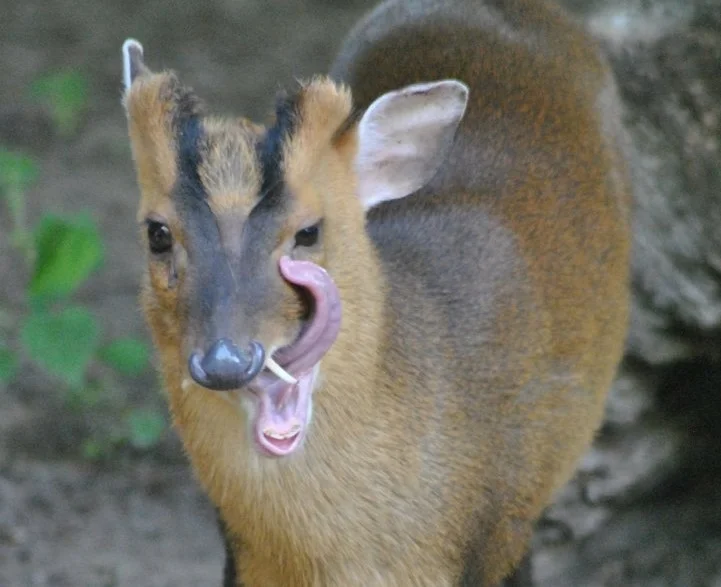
x: 225, y: 366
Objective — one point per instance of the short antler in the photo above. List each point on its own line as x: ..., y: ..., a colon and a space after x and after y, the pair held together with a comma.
x: 133, y: 64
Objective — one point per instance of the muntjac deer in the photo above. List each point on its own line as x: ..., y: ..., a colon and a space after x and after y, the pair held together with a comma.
x: 387, y: 323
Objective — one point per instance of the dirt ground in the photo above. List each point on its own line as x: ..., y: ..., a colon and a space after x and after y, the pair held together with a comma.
x: 141, y: 521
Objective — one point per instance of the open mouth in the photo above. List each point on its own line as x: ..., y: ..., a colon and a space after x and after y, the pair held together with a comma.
x: 285, y: 388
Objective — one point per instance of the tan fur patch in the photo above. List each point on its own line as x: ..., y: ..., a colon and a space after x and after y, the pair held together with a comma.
x: 230, y: 170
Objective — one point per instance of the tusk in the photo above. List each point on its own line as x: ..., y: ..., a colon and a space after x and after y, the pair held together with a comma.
x: 279, y: 371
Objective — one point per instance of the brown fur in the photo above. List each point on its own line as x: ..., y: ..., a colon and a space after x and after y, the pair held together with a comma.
x: 464, y: 384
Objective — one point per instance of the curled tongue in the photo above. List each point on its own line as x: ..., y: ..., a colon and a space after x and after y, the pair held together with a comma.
x: 324, y: 321
x: 284, y: 406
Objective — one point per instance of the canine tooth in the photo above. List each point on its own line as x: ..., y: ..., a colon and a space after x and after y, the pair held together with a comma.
x: 279, y: 371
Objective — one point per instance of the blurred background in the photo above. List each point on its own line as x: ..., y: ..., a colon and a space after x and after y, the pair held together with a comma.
x: 94, y: 488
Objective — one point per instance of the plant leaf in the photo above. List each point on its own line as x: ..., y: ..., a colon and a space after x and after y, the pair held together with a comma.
x: 145, y: 427
x: 68, y: 251
x: 63, y: 342
x: 8, y: 364
x: 128, y: 356
x: 66, y: 94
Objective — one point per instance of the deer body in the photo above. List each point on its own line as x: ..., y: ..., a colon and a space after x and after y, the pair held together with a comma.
x: 480, y: 269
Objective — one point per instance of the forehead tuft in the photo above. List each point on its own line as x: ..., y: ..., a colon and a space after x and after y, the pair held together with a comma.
x: 228, y: 168
x: 324, y: 111
x: 306, y: 122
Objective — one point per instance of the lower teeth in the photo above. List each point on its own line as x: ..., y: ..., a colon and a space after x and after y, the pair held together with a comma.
x: 294, y: 432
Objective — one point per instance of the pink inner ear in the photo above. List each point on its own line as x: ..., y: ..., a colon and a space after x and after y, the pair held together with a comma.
x: 404, y: 138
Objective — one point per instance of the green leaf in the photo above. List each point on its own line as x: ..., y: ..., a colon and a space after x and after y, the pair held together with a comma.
x: 145, y: 427
x: 8, y: 364
x: 66, y: 94
x: 128, y: 356
x: 63, y: 343
x: 68, y: 251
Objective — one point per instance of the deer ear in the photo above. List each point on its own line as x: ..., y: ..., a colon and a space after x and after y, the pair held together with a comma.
x: 404, y: 138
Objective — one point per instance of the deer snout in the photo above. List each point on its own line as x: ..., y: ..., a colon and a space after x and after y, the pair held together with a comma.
x: 224, y: 366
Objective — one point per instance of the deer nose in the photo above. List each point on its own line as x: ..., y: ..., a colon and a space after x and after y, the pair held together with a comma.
x: 225, y: 366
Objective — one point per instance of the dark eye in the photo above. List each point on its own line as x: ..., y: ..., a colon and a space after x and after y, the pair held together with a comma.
x: 159, y: 237
x: 307, y: 237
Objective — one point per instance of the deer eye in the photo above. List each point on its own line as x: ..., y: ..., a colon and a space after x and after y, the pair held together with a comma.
x: 159, y: 237
x: 307, y: 237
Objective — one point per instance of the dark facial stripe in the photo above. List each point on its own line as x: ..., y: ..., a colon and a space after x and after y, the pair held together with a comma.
x: 212, y: 283
x: 270, y: 148
x: 188, y: 128
x: 229, y: 288
x: 190, y: 138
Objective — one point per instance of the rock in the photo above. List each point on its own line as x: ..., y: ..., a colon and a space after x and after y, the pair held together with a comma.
x: 644, y: 508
